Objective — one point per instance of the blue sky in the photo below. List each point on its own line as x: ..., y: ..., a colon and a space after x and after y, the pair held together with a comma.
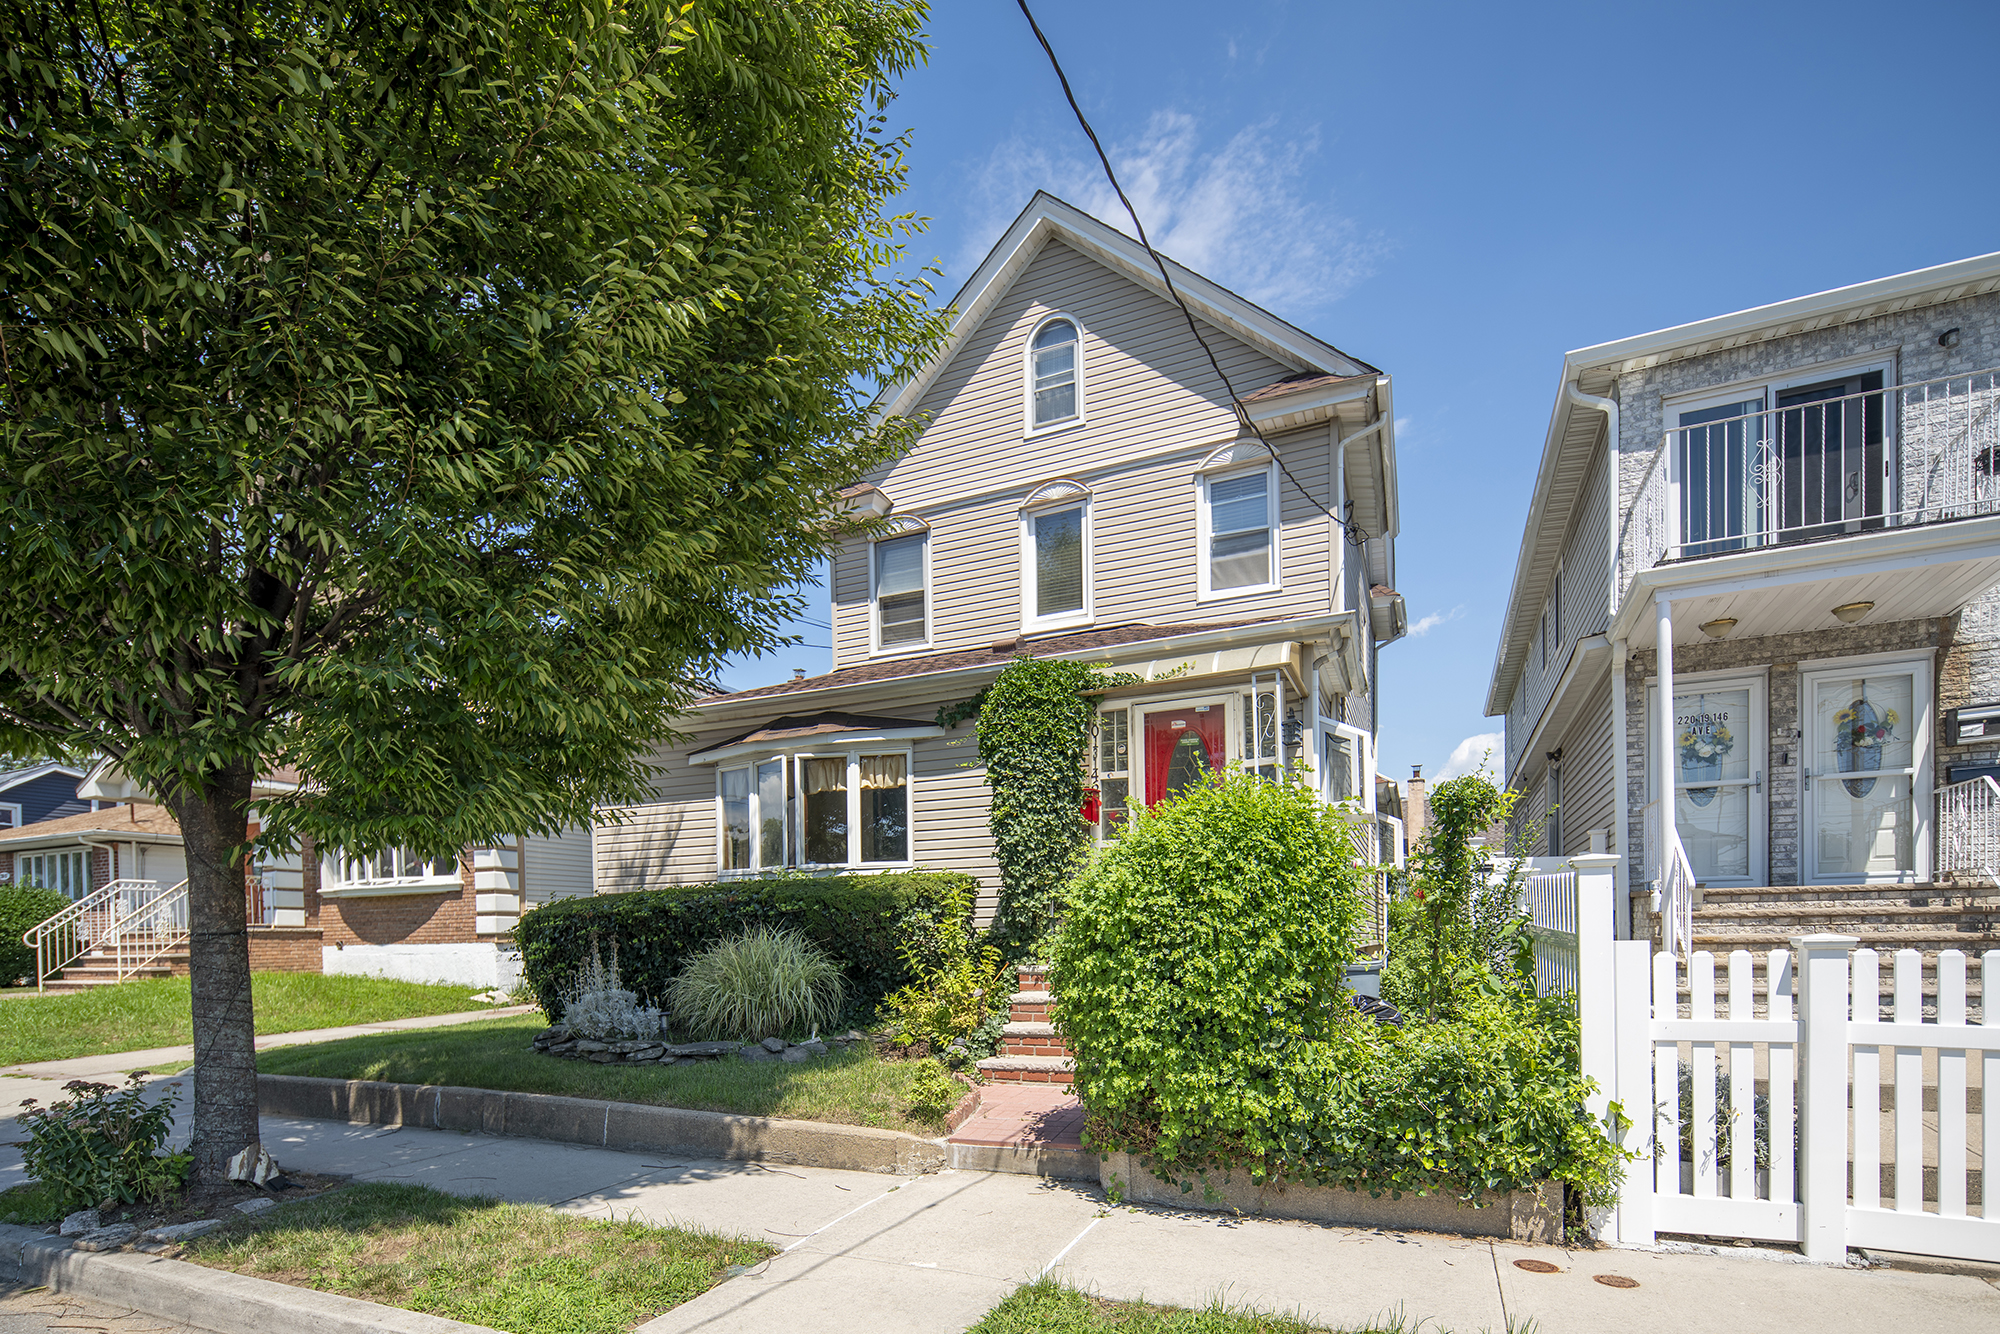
x: 1460, y: 194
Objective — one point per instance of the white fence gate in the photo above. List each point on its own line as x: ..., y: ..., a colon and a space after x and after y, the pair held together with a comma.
x: 1807, y: 1122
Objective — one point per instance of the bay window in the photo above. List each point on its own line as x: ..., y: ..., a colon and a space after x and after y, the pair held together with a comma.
x: 847, y: 808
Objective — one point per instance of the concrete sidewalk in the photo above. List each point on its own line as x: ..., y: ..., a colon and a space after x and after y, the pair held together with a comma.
x: 929, y: 1255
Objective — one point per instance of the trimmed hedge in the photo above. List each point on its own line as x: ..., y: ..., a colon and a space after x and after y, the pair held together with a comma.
x: 22, y: 909
x: 862, y: 921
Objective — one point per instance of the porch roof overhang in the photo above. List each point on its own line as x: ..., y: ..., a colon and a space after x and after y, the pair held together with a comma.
x: 1589, y: 662
x: 844, y: 729
x: 1909, y: 574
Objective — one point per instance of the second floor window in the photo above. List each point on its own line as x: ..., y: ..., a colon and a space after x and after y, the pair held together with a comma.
x: 1052, y: 372
x: 900, y: 592
x: 1237, y: 529
x: 1550, y: 631
x: 1056, y: 537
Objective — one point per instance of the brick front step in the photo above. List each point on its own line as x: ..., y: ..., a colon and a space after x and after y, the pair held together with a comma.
x: 1031, y: 1038
x: 1027, y: 1069
x: 1026, y: 1006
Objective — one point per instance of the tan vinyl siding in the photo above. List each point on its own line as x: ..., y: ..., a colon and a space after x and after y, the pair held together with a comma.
x: 1588, y: 783
x: 669, y: 841
x: 556, y: 868
x: 672, y: 841
x: 1145, y: 432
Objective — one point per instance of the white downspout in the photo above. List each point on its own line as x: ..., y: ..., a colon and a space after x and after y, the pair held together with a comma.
x: 1609, y: 407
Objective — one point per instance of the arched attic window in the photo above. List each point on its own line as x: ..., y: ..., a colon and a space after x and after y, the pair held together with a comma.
x: 1055, y: 556
x: 1238, y: 506
x: 1055, y: 373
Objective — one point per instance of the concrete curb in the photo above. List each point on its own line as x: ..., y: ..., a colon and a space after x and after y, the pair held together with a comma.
x: 212, y: 1299
x: 606, y: 1125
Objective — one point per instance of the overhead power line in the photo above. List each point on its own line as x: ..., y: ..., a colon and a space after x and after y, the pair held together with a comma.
x: 1353, y: 532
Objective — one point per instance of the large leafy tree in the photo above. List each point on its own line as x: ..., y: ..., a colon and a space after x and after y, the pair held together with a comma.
x: 423, y: 395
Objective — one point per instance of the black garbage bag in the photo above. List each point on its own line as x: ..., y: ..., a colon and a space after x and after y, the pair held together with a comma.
x: 1378, y: 1009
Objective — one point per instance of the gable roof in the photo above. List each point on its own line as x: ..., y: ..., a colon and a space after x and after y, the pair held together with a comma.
x: 28, y: 775
x: 1048, y: 217
x: 1576, y: 429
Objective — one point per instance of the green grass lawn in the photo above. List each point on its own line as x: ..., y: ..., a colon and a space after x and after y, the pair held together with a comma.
x: 1048, y: 1307
x: 849, y: 1088
x: 154, y: 1013
x: 517, y: 1267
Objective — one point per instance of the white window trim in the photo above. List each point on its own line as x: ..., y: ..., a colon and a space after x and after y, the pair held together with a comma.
x: 13, y: 809
x: 331, y: 885
x: 1028, y: 428
x: 750, y: 764
x: 1203, y: 536
x: 794, y: 760
x: 1363, y: 761
x: 1551, y: 636
x: 1231, y: 701
x: 1031, y: 623
x: 875, y: 602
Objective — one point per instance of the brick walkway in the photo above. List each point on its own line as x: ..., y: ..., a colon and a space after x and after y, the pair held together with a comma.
x: 1026, y: 1116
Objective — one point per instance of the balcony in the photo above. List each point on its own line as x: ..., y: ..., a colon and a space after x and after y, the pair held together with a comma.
x: 1818, y: 467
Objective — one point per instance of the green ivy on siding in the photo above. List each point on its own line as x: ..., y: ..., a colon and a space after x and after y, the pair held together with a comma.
x: 1035, y: 725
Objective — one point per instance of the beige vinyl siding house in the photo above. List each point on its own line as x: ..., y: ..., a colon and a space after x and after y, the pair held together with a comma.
x: 1082, y: 488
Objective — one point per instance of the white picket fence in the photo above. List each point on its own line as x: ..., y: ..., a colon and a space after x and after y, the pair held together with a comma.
x: 1777, y: 1127
x: 1548, y: 898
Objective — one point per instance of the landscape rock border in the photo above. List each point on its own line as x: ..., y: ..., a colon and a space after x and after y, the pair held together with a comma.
x: 560, y: 1041
x: 600, y: 1124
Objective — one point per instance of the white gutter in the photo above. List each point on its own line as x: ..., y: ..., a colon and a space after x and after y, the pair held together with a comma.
x: 1609, y: 407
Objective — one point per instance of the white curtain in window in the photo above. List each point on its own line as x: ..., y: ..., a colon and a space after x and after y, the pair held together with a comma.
x: 826, y: 775
x: 879, y: 771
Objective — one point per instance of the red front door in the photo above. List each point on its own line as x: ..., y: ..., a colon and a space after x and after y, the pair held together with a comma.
x: 1183, y: 747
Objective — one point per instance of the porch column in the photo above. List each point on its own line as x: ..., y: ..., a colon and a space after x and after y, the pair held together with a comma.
x: 1663, y: 743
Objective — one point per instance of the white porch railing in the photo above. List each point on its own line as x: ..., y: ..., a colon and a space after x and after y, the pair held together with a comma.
x: 1672, y: 877
x: 1907, y: 454
x: 133, y: 922
x: 1969, y: 830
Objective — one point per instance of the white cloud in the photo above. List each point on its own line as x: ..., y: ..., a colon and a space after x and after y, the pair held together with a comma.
x: 1234, y: 214
x: 1437, y: 618
x: 1470, y: 756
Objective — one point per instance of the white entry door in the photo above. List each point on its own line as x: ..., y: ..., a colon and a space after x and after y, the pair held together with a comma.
x: 1866, y: 803
x: 1720, y: 810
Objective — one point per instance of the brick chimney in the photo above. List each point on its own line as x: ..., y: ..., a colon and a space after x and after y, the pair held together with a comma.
x: 1416, y: 808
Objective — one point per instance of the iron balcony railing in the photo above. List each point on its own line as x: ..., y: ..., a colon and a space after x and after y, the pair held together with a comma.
x: 1969, y: 830
x: 1882, y: 458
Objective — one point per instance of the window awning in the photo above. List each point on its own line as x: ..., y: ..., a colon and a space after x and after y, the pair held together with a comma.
x: 847, y: 728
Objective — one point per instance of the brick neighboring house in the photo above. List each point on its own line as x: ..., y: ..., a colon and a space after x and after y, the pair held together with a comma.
x: 390, y: 915
x: 1786, y: 521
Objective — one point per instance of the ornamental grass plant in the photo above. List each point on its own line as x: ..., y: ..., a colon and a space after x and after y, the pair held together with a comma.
x: 764, y: 983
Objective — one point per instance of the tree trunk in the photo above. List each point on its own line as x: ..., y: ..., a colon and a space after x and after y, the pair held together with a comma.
x: 215, y: 826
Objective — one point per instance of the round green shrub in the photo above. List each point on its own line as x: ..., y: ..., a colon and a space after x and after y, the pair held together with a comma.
x: 1203, y: 954
x: 763, y: 983
x: 22, y: 909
